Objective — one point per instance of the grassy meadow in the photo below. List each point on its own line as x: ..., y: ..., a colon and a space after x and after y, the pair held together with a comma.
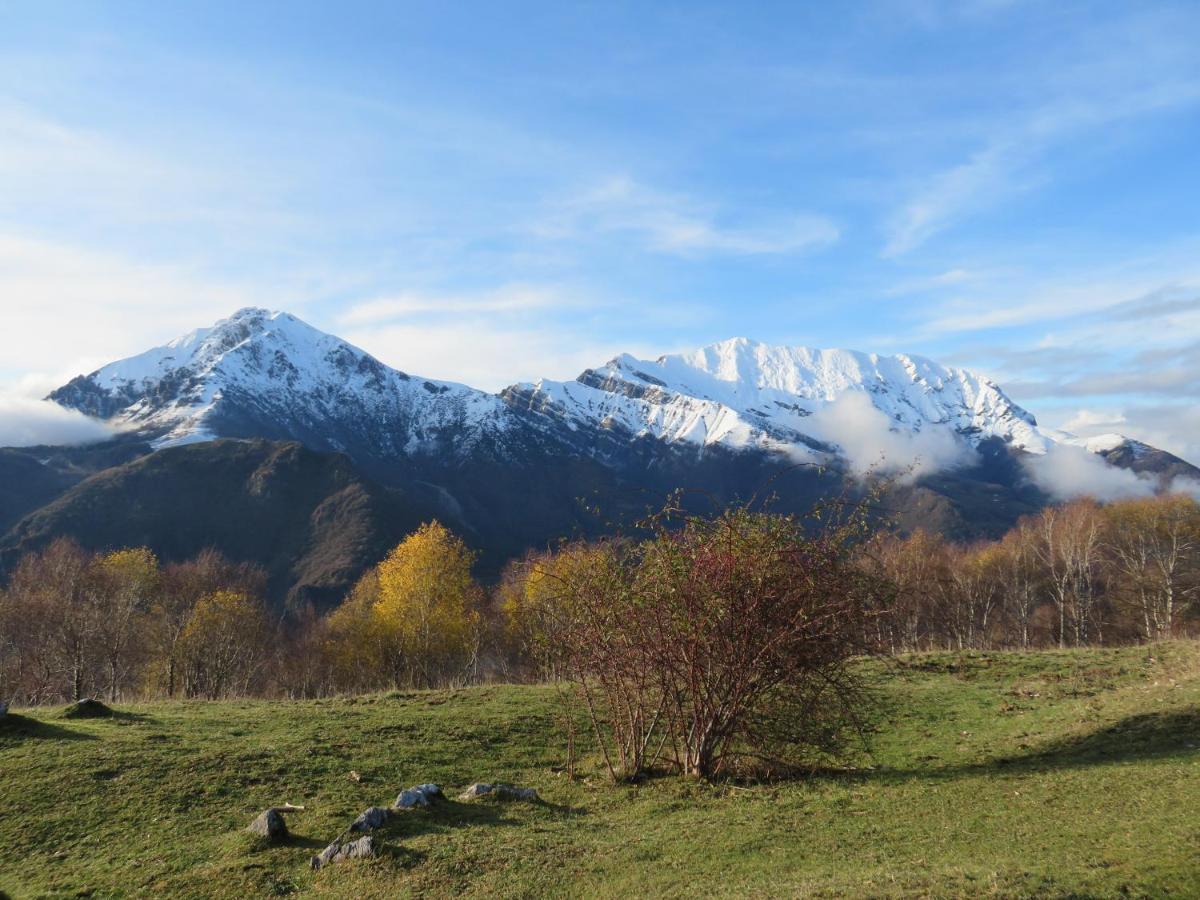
x: 1059, y: 774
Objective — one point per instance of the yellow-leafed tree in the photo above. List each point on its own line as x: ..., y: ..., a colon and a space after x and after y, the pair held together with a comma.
x: 124, y: 584
x: 428, y: 606
x: 356, y: 649
x: 537, y: 597
x: 224, y: 644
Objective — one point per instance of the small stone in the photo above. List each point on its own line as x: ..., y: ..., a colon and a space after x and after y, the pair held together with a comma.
x: 270, y: 825
x: 475, y: 791
x: 370, y: 819
x: 499, y: 792
x: 419, y: 796
x: 363, y: 848
x: 509, y: 792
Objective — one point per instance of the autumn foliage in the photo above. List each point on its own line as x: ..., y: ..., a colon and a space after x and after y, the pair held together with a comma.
x: 658, y: 632
x: 688, y: 649
x: 416, y: 616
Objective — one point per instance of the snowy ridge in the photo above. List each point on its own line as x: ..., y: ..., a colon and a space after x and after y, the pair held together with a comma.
x: 268, y: 374
x: 741, y: 393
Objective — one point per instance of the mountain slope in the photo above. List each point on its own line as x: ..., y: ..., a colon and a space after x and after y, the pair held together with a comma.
x: 31, y: 477
x: 524, y: 468
x: 310, y: 519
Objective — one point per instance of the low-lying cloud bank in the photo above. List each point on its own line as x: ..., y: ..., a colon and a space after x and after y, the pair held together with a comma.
x: 870, y: 444
x: 27, y: 423
x: 1067, y: 472
x: 1181, y: 484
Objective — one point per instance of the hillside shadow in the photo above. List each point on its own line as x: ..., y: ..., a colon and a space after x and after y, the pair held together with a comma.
x: 447, y: 815
x: 1146, y: 736
x: 25, y: 728
x: 109, y: 715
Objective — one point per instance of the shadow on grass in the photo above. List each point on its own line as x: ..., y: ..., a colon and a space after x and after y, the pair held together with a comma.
x: 1147, y: 736
x: 309, y: 843
x: 447, y: 815
x: 404, y: 857
x: 108, y: 715
x: 23, y: 727
x: 130, y: 718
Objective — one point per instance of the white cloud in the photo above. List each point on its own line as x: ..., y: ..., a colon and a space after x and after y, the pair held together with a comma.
x: 1088, y: 305
x: 1066, y: 472
x: 514, y: 298
x: 950, y: 194
x: 1088, y: 421
x: 25, y: 423
x: 871, y: 445
x: 1181, y: 484
x: 1096, y: 92
x: 487, y: 354
x: 69, y: 306
x: 677, y: 224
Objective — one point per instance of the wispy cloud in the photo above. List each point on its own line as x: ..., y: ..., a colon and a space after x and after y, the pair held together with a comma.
x: 487, y: 354
x: 68, y: 305
x: 951, y: 194
x: 1105, y: 86
x: 513, y: 298
x: 679, y: 224
x: 1082, y: 298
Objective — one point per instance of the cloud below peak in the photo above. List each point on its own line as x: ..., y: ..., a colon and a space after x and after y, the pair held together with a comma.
x: 1066, y: 472
x: 28, y: 423
x: 872, y: 446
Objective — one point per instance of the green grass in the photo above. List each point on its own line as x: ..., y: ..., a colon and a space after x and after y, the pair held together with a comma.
x: 1069, y: 774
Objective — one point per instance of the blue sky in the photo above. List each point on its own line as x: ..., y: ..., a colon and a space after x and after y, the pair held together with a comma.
x: 490, y: 193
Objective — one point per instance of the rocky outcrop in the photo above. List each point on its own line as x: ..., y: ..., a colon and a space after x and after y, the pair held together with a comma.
x: 363, y: 848
x: 269, y: 823
x: 370, y: 819
x: 418, y: 797
x: 499, y: 791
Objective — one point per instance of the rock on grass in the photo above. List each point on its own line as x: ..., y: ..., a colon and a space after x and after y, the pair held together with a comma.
x: 87, y: 708
x: 499, y: 791
x: 363, y: 848
x: 269, y: 825
x: 419, y: 796
x: 370, y: 819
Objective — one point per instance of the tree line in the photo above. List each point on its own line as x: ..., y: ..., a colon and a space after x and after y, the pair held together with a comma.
x: 122, y: 625
x: 1072, y: 575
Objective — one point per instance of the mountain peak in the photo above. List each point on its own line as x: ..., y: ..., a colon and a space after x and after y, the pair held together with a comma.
x: 265, y: 373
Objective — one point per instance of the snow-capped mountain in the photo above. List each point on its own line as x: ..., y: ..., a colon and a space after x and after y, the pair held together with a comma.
x: 744, y: 394
x: 268, y: 374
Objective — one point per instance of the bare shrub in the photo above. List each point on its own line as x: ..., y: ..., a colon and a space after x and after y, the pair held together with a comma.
x: 720, y: 639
